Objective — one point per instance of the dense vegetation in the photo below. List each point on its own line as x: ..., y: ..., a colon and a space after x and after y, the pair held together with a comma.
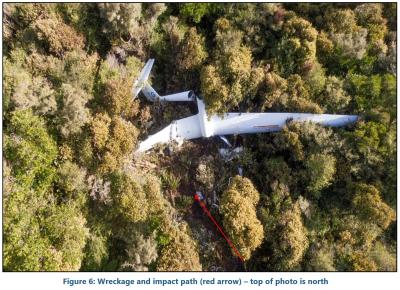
x: 76, y: 197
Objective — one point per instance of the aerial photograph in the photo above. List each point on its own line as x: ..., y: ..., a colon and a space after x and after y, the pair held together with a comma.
x: 215, y: 137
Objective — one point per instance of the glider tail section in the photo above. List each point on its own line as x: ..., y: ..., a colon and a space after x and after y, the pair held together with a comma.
x: 142, y: 84
x: 150, y: 93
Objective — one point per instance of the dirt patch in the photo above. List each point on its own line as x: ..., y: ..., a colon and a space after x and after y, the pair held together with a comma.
x: 216, y: 254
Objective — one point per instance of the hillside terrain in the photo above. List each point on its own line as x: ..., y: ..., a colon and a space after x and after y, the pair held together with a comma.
x: 76, y: 197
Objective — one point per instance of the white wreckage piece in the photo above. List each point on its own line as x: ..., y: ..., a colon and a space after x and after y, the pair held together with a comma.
x: 142, y: 84
x: 202, y: 125
x: 229, y: 154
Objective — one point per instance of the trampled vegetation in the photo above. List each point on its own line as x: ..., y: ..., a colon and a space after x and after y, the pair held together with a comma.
x: 76, y: 198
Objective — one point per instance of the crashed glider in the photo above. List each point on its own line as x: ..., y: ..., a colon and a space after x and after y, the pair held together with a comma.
x: 202, y: 125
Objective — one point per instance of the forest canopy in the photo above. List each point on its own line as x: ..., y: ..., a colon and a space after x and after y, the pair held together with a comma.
x: 76, y: 197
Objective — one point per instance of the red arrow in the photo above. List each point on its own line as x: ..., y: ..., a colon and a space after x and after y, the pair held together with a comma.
x: 196, y: 197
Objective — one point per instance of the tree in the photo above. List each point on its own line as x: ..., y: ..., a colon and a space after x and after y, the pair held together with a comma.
x: 41, y: 232
x: 390, y: 13
x: 373, y: 141
x: 375, y: 91
x: 290, y: 140
x: 79, y: 69
x: 213, y: 88
x: 388, y: 94
x: 121, y: 143
x: 31, y: 12
x: 96, y: 251
x: 121, y: 19
x: 22, y: 90
x: 276, y: 95
x: 353, y: 234
x: 297, y: 46
x: 99, y: 127
x: 73, y: 114
x: 244, y: 186
x: 361, y: 262
x: 240, y: 221
x: 195, y: 11
x: 325, y: 47
x: 292, y: 94
x: 67, y: 232
x: 299, y: 96
x: 291, y: 242
x: 340, y: 21
x: 321, y: 259
x: 112, y: 92
x: 142, y: 254
x: 349, y: 39
x: 118, y: 98
x: 30, y: 150
x: 229, y: 79
x: 57, y: 36
x: 129, y: 25
x: 41, y: 235
x: 333, y: 97
x: 193, y: 53
x: 315, y: 79
x: 112, y: 135
x: 129, y: 198
x: 352, y: 44
x: 72, y: 179
x: 316, y: 138
x: 370, y: 14
x: 369, y: 206
x: 277, y: 170
x: 259, y: 24
x: 154, y: 195
x: 383, y: 257
x: 320, y: 170
x: 180, y: 254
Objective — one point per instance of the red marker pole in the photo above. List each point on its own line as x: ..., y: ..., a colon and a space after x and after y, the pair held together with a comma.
x: 203, y: 206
